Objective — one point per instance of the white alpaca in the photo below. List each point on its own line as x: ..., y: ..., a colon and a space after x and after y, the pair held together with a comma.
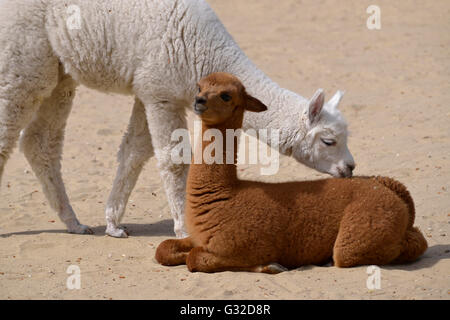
x: 157, y: 51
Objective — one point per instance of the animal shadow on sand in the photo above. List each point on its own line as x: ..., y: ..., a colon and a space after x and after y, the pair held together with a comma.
x: 160, y: 228
x: 165, y: 228
x: 432, y: 256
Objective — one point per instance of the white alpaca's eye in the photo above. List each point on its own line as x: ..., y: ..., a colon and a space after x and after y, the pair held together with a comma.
x: 328, y: 142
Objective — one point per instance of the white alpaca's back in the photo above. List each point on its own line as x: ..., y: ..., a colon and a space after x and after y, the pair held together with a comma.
x: 140, y: 45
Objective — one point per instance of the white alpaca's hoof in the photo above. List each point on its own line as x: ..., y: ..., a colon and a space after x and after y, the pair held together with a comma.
x: 80, y: 229
x: 116, y: 233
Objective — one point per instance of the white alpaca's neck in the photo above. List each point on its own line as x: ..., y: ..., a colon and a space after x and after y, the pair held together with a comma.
x: 285, y: 108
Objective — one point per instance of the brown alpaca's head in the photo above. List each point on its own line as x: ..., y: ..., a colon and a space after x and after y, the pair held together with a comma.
x: 222, y: 99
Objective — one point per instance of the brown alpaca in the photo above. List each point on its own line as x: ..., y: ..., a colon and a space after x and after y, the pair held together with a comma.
x: 267, y: 227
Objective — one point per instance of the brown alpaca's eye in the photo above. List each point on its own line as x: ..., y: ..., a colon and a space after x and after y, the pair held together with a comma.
x: 225, y: 97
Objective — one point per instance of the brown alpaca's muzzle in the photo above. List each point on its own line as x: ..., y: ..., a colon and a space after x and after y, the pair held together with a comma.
x: 199, y: 105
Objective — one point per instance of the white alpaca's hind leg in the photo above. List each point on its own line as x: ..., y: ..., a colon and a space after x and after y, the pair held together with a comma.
x: 163, y: 118
x: 135, y: 150
x: 21, y: 94
x: 14, y: 116
x: 42, y: 143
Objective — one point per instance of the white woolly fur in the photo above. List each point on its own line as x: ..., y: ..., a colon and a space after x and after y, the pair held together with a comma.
x: 156, y: 50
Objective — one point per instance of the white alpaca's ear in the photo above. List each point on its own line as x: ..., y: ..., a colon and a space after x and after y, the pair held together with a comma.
x: 336, y: 99
x: 315, y: 106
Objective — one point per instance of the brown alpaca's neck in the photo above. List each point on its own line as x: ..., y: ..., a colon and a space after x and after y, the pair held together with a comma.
x: 203, y: 173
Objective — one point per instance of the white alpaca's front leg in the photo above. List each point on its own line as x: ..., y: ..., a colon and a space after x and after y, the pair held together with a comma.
x: 163, y: 118
x: 135, y: 150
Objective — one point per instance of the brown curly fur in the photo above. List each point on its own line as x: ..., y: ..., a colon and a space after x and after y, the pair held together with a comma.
x: 252, y: 226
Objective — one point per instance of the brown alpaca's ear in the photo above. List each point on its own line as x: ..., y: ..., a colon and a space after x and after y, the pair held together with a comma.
x: 253, y: 104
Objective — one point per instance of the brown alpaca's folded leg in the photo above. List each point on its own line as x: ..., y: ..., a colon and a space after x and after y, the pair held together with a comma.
x: 199, y: 260
x: 173, y: 252
x: 370, y: 235
x: 414, y: 245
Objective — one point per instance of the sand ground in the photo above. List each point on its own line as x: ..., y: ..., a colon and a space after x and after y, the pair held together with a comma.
x: 397, y: 104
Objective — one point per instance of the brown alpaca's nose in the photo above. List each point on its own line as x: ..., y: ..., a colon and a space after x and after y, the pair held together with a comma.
x: 199, y: 105
x: 200, y: 100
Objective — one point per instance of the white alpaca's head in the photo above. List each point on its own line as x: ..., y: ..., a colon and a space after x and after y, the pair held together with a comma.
x: 324, y: 144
